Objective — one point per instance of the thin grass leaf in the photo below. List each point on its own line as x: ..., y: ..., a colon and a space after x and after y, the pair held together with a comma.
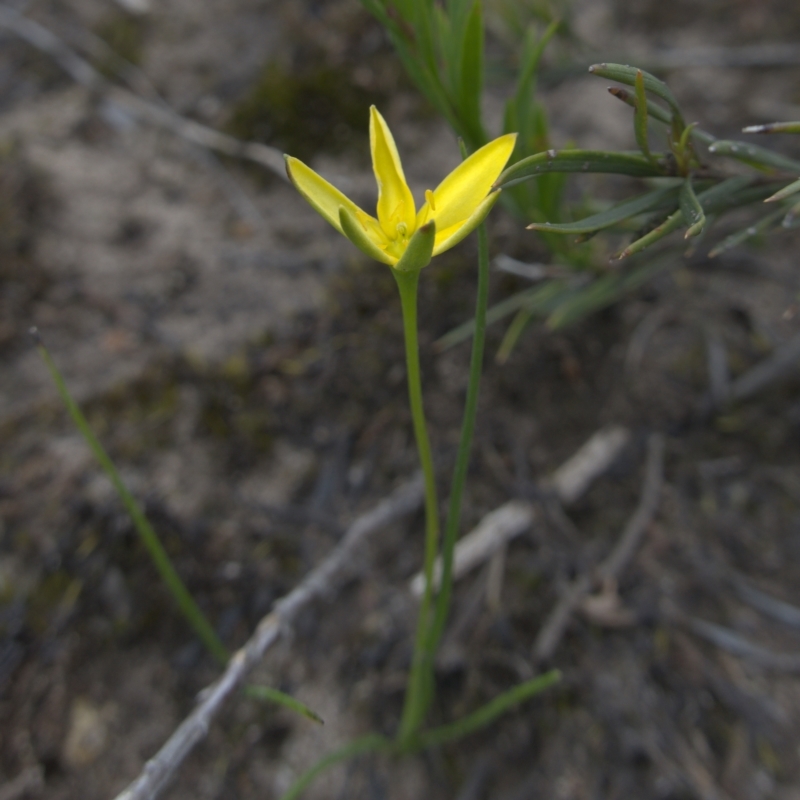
x: 787, y: 191
x: 605, y: 291
x: 287, y: 701
x: 792, y: 219
x: 774, y: 127
x: 366, y: 744
x: 612, y: 216
x: 627, y: 75
x: 423, y: 71
x: 423, y: 23
x: 488, y: 713
x: 735, y: 239
x: 692, y: 210
x: 531, y: 56
x: 754, y: 155
x: 470, y: 85
x: 538, y: 298
x: 588, y: 161
x: 148, y: 536
x: 640, y: 117
x: 512, y: 334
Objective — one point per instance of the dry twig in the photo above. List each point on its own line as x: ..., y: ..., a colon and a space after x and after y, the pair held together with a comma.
x: 554, y: 628
x: 569, y: 482
x: 737, y: 645
x: 159, y: 770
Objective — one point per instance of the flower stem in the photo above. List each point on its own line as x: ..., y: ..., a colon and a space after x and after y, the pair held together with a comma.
x: 418, y: 691
x: 442, y: 604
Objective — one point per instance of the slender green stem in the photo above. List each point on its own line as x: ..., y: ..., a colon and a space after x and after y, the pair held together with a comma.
x: 281, y: 698
x: 488, y: 713
x: 148, y: 536
x: 417, y: 691
x: 366, y: 744
x: 464, y: 447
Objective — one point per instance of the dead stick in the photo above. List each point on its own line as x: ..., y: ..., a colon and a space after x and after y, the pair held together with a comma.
x: 556, y: 625
x: 159, y: 770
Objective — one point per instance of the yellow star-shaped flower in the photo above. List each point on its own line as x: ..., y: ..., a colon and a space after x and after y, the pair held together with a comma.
x: 456, y: 207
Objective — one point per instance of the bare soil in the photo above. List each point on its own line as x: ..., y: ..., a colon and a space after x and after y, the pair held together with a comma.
x: 244, y: 368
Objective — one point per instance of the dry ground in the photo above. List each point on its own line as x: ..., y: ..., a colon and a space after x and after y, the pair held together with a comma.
x: 245, y: 369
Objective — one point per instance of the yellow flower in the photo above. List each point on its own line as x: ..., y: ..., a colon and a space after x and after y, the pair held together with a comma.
x: 456, y: 207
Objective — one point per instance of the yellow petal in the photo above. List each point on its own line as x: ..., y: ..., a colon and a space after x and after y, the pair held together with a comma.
x: 466, y: 187
x: 325, y: 198
x: 395, y: 202
x: 450, y: 237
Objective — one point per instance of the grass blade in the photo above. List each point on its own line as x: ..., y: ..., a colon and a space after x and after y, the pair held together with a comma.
x: 605, y: 291
x: 366, y: 744
x: 774, y: 127
x: 787, y: 191
x: 488, y: 713
x: 471, y: 76
x: 282, y: 699
x: 640, y: 117
x: 149, y: 538
x: 539, y: 299
x: 512, y: 334
x: 770, y: 221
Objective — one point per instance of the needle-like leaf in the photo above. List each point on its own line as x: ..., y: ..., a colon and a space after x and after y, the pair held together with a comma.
x: 640, y: 117
x: 614, y: 215
x: 770, y: 221
x: 787, y: 191
x: 627, y: 75
x: 774, y: 127
x: 754, y: 155
x: 587, y: 161
x: 692, y: 210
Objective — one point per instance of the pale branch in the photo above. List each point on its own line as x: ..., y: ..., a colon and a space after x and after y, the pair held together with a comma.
x: 323, y: 579
x: 567, y: 484
x: 556, y: 624
x: 155, y: 113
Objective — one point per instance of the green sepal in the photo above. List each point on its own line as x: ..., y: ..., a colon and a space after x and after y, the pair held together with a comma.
x: 419, y: 252
x: 355, y: 232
